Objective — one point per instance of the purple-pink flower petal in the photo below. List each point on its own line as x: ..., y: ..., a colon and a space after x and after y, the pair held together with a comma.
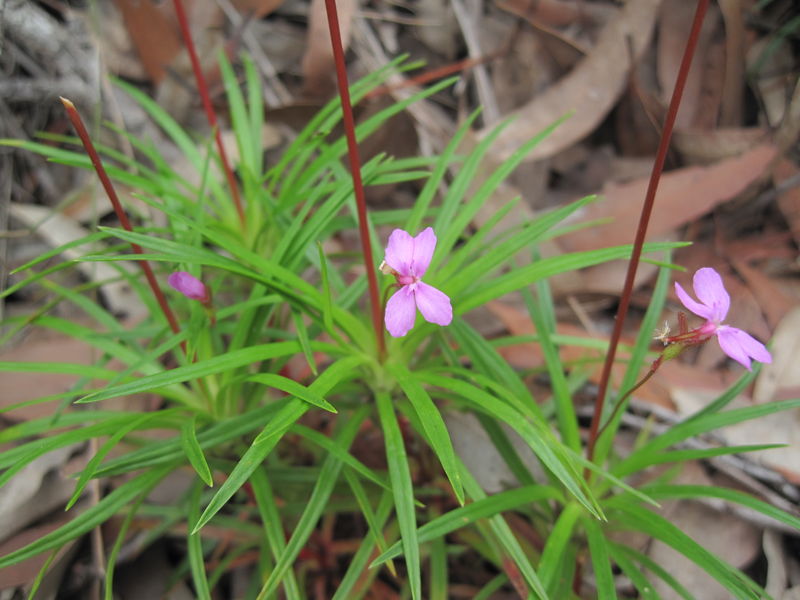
x: 424, y: 245
x: 188, y: 285
x: 701, y: 310
x: 710, y: 290
x: 741, y: 346
x: 433, y: 304
x: 400, y: 252
x: 401, y: 312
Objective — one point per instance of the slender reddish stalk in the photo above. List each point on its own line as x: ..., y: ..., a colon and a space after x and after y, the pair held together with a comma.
x: 77, y: 123
x: 644, y: 220
x: 355, y: 168
x: 202, y: 87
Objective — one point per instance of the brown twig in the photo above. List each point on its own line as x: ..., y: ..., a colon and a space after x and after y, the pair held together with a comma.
x: 202, y: 88
x: 355, y: 169
x: 77, y: 123
x: 644, y: 220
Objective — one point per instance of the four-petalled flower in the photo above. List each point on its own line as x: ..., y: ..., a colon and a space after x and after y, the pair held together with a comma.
x: 189, y: 285
x: 408, y: 258
x: 713, y: 307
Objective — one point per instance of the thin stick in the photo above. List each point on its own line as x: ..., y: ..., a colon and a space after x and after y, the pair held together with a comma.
x: 355, y: 169
x: 77, y: 123
x: 644, y: 220
x: 202, y: 87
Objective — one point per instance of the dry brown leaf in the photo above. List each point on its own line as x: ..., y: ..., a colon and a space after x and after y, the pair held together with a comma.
x: 318, y: 66
x: 699, y: 146
x: 25, y: 572
x: 256, y: 9
x: 733, y: 93
x: 154, y: 33
x: 553, y: 13
x: 788, y: 199
x: 781, y: 378
x: 683, y: 196
x: 770, y: 297
x: 674, y: 23
x: 589, y: 91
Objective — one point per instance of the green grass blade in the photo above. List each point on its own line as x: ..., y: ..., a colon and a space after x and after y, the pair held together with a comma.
x: 482, y: 508
x: 556, y: 546
x: 291, y: 387
x: 695, y: 492
x: 273, y: 528
x: 691, y: 427
x: 202, y: 368
x: 89, y: 519
x: 601, y: 560
x: 633, y: 517
x: 357, y: 572
x: 194, y: 452
x: 540, y: 440
x: 315, y: 505
x: 433, y: 424
x: 194, y: 545
x: 403, y: 490
x: 264, y: 444
x: 618, y: 550
x: 506, y: 538
x: 335, y: 449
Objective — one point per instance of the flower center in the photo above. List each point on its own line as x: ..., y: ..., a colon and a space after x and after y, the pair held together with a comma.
x: 407, y: 279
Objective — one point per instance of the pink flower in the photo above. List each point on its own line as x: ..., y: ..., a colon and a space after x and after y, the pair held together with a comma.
x: 408, y: 258
x: 713, y: 307
x: 189, y: 285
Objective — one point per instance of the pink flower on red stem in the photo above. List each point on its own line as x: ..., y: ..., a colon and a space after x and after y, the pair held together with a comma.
x: 408, y: 258
x: 189, y: 285
x: 713, y: 307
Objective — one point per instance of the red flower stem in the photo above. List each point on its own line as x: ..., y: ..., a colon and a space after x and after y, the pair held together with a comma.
x: 77, y: 123
x: 202, y: 87
x: 355, y: 169
x: 644, y: 220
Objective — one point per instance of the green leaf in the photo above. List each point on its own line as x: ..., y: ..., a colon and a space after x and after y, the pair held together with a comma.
x: 708, y: 422
x: 433, y: 424
x: 271, y: 434
x: 639, y: 579
x: 332, y: 447
x: 631, y: 517
x: 540, y: 440
x: 357, y: 573
x: 618, y: 550
x: 291, y: 387
x: 492, y: 288
x: 123, y: 430
x: 601, y: 560
x: 194, y: 452
x: 195, y: 548
x: 315, y: 505
x: 94, y: 516
x: 202, y: 368
x: 305, y: 344
x: 505, y: 537
x: 264, y: 444
x: 556, y: 546
x: 403, y: 490
x: 273, y: 526
x: 482, y: 508
x: 680, y: 492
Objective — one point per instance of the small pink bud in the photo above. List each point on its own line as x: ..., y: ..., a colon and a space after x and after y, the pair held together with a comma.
x: 189, y: 285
